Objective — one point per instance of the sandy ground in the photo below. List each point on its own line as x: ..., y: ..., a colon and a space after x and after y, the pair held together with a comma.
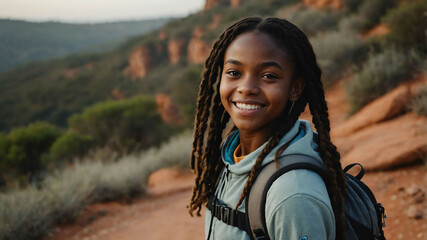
x: 161, y: 214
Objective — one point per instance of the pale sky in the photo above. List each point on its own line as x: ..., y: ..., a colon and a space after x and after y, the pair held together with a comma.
x: 81, y: 11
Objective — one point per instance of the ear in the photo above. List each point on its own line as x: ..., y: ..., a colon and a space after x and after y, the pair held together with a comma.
x: 297, y: 88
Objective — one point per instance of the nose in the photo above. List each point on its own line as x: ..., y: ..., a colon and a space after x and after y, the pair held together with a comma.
x: 248, y: 85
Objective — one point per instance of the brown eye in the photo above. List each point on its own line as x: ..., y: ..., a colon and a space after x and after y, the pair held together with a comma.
x: 233, y: 73
x: 269, y: 76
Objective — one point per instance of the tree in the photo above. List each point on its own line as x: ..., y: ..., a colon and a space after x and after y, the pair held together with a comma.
x: 28, y: 144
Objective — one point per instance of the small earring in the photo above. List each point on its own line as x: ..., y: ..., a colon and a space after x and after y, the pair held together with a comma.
x: 290, y: 110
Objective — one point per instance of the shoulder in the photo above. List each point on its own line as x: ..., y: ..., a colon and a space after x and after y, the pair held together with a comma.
x: 298, y: 182
x: 298, y: 204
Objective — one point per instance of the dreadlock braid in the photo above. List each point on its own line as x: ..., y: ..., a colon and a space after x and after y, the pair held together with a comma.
x: 288, y: 123
x: 205, y: 159
x: 328, y: 152
x: 211, y: 118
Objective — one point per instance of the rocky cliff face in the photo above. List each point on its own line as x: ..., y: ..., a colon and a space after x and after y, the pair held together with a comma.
x: 323, y: 3
x: 175, y: 50
x: 197, y: 50
x: 236, y: 3
x: 140, y: 62
x: 168, y: 110
x: 212, y: 3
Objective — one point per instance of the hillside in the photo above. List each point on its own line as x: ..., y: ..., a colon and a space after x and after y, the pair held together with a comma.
x: 160, y: 61
x: 22, y: 41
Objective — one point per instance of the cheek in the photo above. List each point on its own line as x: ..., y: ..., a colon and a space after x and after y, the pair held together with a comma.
x: 224, y: 93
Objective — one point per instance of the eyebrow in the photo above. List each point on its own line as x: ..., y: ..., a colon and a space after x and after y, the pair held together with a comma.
x: 264, y: 64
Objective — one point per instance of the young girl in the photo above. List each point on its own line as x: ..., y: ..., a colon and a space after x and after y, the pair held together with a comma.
x: 261, y: 73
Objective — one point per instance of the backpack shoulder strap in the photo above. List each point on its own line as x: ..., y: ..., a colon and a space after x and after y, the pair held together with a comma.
x: 255, y: 202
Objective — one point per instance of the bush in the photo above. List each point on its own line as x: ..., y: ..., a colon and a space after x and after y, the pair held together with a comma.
x: 352, y: 5
x: 69, y: 146
x: 371, y: 11
x: 28, y: 144
x: 419, y: 102
x: 381, y: 73
x: 336, y: 52
x: 312, y: 21
x: 407, y: 24
x: 126, y: 125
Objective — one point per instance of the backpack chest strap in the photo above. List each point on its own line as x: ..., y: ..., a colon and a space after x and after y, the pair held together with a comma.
x: 227, y: 214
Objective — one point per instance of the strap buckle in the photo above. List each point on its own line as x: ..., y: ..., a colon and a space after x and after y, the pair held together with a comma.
x: 382, y: 212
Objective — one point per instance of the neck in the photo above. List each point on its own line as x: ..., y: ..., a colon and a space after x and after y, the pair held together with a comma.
x: 250, y: 141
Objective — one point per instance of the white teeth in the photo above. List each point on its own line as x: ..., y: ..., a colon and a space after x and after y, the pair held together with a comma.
x: 245, y: 106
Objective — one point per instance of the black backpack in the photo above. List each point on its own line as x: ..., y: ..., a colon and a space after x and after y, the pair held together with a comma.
x: 364, y: 216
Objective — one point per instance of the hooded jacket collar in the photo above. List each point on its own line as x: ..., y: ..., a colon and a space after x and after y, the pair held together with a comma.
x: 303, y: 144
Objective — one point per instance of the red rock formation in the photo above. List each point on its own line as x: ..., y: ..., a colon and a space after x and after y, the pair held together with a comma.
x: 168, y: 109
x: 323, y: 3
x: 236, y: 3
x: 212, y: 3
x: 379, y: 30
x: 139, y: 63
x: 381, y: 109
x: 197, y: 50
x: 70, y: 73
x: 89, y: 66
x: 162, y: 35
x: 215, y: 22
x: 393, y: 143
x: 175, y: 49
x: 117, y: 94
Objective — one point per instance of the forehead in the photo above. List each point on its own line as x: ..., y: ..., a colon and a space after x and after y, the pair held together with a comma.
x: 255, y: 46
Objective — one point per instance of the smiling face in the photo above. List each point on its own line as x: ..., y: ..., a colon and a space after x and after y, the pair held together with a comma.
x: 255, y: 83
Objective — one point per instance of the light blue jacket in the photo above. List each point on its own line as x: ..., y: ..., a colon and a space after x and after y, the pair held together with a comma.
x: 297, y: 205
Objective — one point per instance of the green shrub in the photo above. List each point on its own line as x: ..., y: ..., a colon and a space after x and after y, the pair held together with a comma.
x: 371, y: 11
x: 70, y: 145
x: 351, y: 23
x: 381, y: 73
x: 336, y: 52
x: 28, y: 144
x: 312, y: 21
x: 126, y: 125
x: 352, y: 5
x: 419, y: 102
x: 407, y: 24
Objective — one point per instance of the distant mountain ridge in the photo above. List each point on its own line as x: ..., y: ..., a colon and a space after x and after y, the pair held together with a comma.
x: 22, y: 41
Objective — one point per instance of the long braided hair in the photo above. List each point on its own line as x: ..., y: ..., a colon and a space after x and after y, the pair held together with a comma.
x: 211, y: 118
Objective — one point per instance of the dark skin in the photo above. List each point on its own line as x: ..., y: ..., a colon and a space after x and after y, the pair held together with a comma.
x: 257, y: 82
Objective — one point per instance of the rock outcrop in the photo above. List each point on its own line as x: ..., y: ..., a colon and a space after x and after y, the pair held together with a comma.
x: 197, y: 50
x: 383, y: 134
x: 212, y: 3
x: 390, y: 144
x: 215, y: 22
x: 323, y: 3
x: 168, y: 110
x: 379, y: 110
x: 175, y: 50
x: 140, y: 63
x: 236, y: 3
x: 117, y: 94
